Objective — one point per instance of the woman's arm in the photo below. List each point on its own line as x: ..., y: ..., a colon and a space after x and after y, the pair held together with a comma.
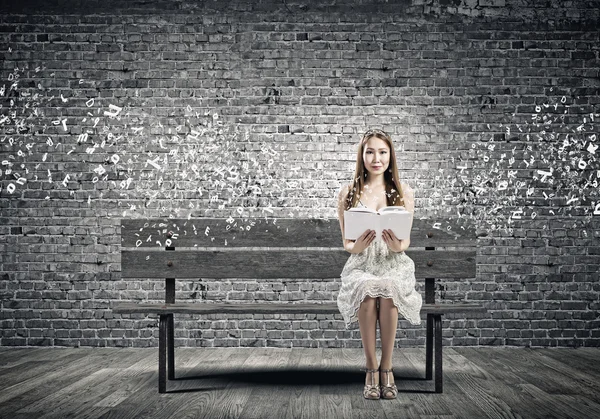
x: 348, y: 244
x: 409, y: 197
x: 409, y: 204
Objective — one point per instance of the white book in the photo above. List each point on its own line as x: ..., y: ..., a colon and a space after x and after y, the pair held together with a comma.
x: 359, y: 219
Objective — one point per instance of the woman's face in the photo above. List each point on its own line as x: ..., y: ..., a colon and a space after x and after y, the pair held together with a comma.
x: 376, y: 156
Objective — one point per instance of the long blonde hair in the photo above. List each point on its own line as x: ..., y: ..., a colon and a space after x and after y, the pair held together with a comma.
x: 393, y: 190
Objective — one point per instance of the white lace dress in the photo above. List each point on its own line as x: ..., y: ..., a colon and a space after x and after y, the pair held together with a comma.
x: 379, y: 272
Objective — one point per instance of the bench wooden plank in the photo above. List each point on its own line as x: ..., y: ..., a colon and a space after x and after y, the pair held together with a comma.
x: 269, y: 264
x: 286, y: 232
x: 271, y: 308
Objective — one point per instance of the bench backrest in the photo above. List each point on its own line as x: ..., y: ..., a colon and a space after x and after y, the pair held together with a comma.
x: 274, y: 248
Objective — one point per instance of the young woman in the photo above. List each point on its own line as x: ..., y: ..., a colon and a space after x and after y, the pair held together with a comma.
x: 378, y: 280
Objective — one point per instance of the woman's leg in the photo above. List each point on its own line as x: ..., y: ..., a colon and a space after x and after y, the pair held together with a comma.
x: 388, y: 323
x: 367, y: 323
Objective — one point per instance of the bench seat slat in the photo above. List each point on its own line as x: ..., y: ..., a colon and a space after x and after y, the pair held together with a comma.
x: 285, y: 232
x: 266, y: 264
x: 271, y: 308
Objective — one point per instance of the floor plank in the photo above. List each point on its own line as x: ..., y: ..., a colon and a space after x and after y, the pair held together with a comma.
x: 265, y: 366
x: 551, y: 376
x: 190, y: 365
x: 303, y: 398
x: 31, y: 368
x: 512, y: 367
x: 481, y: 382
x: 53, y: 376
x: 578, y: 359
x: 411, y: 372
x: 231, y: 399
x: 10, y: 359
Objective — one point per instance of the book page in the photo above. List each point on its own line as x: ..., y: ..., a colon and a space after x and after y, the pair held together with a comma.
x: 391, y: 209
x: 356, y: 222
x: 363, y: 209
x: 399, y: 222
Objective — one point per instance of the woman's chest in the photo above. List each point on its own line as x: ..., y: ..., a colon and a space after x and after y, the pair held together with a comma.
x: 374, y: 201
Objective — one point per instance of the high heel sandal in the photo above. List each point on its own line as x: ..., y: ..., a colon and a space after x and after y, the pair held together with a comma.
x: 371, y: 391
x: 388, y: 391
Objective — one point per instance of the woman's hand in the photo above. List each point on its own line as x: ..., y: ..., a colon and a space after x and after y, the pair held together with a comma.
x: 363, y: 241
x: 393, y: 243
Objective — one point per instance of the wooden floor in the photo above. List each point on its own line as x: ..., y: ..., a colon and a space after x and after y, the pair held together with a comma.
x: 296, y: 383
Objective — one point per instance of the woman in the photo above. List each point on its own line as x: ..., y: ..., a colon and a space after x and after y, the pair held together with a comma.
x: 378, y: 280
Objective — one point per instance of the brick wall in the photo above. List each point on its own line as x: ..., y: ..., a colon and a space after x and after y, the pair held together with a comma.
x: 117, y: 109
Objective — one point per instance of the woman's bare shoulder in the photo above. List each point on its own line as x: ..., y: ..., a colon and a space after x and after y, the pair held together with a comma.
x: 345, y: 190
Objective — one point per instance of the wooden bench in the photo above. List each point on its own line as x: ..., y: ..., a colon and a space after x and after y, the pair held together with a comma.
x: 288, y: 248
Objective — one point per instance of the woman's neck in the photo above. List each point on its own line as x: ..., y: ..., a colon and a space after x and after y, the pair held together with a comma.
x: 375, y: 182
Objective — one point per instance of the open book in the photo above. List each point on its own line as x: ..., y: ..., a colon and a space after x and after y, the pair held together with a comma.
x: 397, y: 219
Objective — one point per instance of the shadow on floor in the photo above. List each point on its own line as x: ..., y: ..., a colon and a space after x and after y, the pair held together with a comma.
x: 290, y: 377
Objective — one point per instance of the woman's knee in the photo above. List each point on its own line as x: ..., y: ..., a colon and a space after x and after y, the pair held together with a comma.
x: 368, y: 304
x: 387, y: 304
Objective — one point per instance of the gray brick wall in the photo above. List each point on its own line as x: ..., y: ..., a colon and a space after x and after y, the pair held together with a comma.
x: 279, y: 92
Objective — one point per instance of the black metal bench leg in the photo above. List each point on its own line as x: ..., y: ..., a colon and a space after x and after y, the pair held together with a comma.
x: 429, y: 348
x: 162, y: 353
x: 171, y: 347
x: 437, y: 319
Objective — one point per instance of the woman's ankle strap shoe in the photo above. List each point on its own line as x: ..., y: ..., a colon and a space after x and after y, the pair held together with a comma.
x: 371, y: 391
x: 388, y: 391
